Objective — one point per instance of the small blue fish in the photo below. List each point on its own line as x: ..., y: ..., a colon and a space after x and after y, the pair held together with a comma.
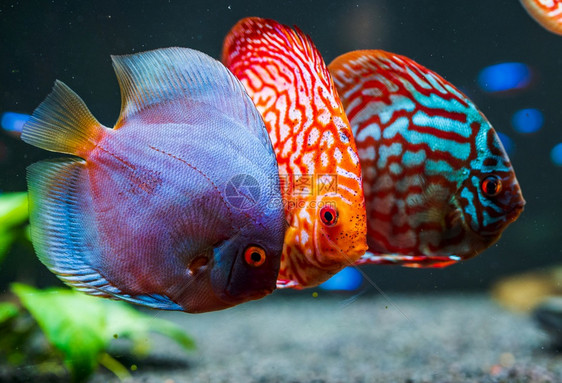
x: 13, y: 123
x: 174, y: 208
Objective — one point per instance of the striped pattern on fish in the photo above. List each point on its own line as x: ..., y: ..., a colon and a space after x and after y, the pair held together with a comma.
x: 427, y: 154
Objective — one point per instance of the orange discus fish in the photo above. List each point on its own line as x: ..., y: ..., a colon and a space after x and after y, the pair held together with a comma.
x: 318, y: 163
x: 548, y: 13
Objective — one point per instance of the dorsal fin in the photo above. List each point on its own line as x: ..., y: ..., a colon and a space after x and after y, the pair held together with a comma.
x: 170, y: 74
x: 63, y: 123
x: 377, y: 74
x: 253, y: 35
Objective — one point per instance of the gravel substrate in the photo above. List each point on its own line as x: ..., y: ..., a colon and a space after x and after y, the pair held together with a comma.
x: 335, y: 338
x: 421, y: 338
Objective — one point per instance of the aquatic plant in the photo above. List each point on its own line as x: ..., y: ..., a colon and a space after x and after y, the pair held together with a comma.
x: 46, y: 327
x: 14, y: 217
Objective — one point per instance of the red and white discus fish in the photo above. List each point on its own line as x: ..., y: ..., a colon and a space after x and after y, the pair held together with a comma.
x: 548, y: 13
x: 290, y: 84
x: 438, y: 184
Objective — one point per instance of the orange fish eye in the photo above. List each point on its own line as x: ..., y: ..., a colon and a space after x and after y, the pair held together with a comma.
x: 328, y: 215
x: 491, y: 186
x: 254, y: 256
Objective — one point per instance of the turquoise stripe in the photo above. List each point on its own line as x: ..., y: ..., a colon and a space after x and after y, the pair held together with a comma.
x: 411, y: 159
x: 385, y: 151
x: 442, y: 124
x: 442, y: 168
x: 416, y: 78
x: 397, y: 127
x: 395, y: 168
x: 458, y: 150
x: 436, y: 84
x: 398, y: 103
x: 470, y: 209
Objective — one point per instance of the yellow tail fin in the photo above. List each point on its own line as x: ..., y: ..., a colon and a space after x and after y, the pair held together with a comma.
x: 63, y: 123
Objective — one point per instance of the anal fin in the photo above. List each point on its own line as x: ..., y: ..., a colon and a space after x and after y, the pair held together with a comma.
x: 64, y: 232
x: 415, y: 261
x: 287, y: 284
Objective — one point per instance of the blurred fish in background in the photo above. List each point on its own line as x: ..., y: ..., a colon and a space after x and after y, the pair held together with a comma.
x: 505, y: 77
x: 525, y: 291
x: 538, y: 293
x: 13, y: 123
x: 548, y: 13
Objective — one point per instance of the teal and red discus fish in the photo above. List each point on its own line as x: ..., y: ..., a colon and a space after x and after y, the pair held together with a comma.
x: 438, y: 184
x: 290, y: 84
x: 149, y: 211
x: 548, y: 13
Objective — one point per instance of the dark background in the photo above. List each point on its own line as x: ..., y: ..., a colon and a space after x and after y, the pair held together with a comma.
x: 72, y: 41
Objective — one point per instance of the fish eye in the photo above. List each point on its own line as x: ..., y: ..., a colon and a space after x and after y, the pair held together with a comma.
x: 254, y: 256
x: 491, y: 186
x: 328, y: 215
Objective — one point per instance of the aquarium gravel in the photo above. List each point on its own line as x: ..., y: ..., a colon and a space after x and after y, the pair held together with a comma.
x: 413, y: 339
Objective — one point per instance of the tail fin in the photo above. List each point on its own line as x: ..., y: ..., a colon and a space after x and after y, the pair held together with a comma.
x: 63, y: 123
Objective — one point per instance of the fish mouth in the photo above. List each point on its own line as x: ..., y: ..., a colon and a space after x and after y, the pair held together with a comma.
x: 339, y: 257
x: 512, y: 215
x: 515, y: 212
x: 247, y: 295
x: 250, y: 289
x: 518, y: 203
x: 494, y: 233
x: 250, y: 295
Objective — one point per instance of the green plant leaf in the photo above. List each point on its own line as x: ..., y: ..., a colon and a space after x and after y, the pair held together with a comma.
x: 27, y: 232
x: 74, y: 323
x: 14, y: 210
x: 125, y: 322
x: 13, y: 213
x: 172, y: 331
x: 6, y: 239
x: 114, y: 366
x: 7, y: 311
x: 81, y: 327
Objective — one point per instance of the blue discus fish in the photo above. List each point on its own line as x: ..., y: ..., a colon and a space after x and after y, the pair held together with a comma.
x: 174, y: 208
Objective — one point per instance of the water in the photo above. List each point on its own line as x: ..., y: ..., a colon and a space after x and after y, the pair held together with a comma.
x: 72, y: 41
